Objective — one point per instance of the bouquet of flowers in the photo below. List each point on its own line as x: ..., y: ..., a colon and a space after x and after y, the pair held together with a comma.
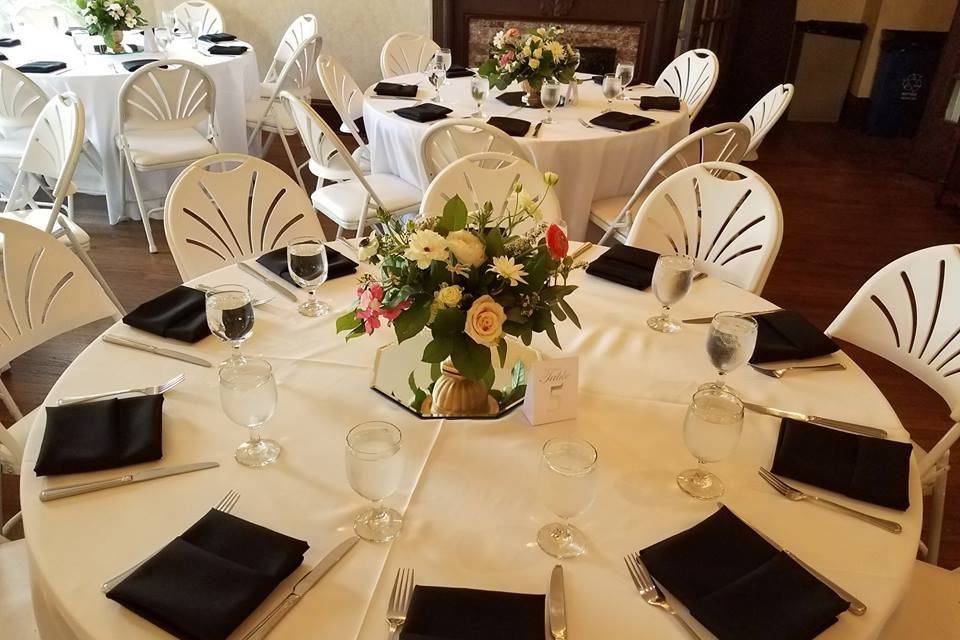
x: 108, y: 17
x: 529, y: 57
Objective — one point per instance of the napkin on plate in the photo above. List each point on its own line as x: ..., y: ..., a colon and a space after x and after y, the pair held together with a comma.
x: 629, y: 266
x: 444, y: 613
x: 208, y: 580
x: 9, y: 42
x: 511, y: 126
x: 869, y: 469
x: 622, y: 121
x: 42, y: 66
x: 426, y: 112
x: 217, y: 37
x: 337, y: 264
x: 226, y: 50
x: 133, y: 65
x: 787, y: 335
x: 396, y: 89
x: 738, y: 585
x: 179, y: 314
x: 101, y: 435
x: 459, y: 72
x: 661, y: 103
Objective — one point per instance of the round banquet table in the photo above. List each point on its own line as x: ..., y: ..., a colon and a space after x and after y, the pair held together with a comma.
x: 469, y: 489
x: 96, y: 79
x: 592, y: 163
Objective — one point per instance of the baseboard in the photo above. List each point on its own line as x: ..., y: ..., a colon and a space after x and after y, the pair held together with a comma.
x: 854, y: 114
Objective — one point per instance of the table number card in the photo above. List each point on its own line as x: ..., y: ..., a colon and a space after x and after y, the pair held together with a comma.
x: 552, y: 387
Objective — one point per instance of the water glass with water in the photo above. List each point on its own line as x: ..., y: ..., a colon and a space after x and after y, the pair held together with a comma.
x: 446, y: 57
x: 307, y: 264
x: 671, y: 280
x: 437, y: 74
x: 550, y: 97
x: 479, y: 90
x: 568, y: 481
x: 374, y: 467
x: 711, y: 431
x: 230, y: 316
x: 625, y: 73
x: 611, y: 89
x: 248, y: 395
x: 730, y: 342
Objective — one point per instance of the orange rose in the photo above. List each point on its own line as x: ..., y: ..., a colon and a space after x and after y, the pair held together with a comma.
x: 485, y: 321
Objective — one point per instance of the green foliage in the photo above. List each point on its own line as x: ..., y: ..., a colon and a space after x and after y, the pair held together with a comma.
x: 471, y: 359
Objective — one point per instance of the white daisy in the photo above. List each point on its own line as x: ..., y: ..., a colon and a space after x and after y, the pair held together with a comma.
x: 426, y: 246
x: 507, y: 269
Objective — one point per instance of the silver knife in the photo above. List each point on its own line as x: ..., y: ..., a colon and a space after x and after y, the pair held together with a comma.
x: 140, y: 476
x: 279, y: 288
x: 840, y: 425
x: 143, y: 346
x: 709, y: 319
x: 268, y: 622
x: 536, y: 129
x: 557, y: 605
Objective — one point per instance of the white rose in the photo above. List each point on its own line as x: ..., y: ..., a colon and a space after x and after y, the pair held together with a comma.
x: 368, y: 249
x: 449, y: 296
x: 467, y: 248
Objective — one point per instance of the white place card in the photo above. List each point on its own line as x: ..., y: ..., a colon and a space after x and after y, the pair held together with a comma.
x: 552, y: 387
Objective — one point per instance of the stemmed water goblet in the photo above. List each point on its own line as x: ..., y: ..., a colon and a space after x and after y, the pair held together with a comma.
x: 437, y: 75
x: 730, y: 342
x: 374, y: 468
x: 549, y: 97
x: 193, y: 26
x: 77, y: 36
x: 163, y: 37
x: 711, y: 431
x: 230, y: 316
x: 479, y: 90
x: 307, y: 264
x: 625, y: 73
x: 611, y: 90
x: 169, y: 20
x: 248, y: 395
x: 446, y: 58
x: 568, y: 480
x: 672, y: 277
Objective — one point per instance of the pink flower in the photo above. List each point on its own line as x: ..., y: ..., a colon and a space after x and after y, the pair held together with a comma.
x: 506, y: 58
x: 512, y: 32
x: 391, y: 314
x: 370, y: 307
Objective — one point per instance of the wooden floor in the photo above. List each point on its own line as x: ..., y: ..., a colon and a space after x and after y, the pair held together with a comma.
x: 849, y: 207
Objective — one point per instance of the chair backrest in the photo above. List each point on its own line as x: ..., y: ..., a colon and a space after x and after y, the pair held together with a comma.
x: 343, y: 92
x: 484, y: 177
x: 723, y: 215
x: 216, y: 215
x: 200, y: 13
x: 21, y: 100
x: 406, y: 53
x: 691, y: 77
x: 46, y: 16
x: 449, y: 140
x: 768, y: 110
x: 294, y: 58
x: 167, y: 94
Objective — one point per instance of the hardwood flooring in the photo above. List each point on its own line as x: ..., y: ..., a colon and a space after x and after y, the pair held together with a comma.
x: 849, y: 208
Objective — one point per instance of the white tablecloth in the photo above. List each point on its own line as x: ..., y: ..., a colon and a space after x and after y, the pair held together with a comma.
x: 592, y: 163
x: 97, y: 83
x: 469, y: 490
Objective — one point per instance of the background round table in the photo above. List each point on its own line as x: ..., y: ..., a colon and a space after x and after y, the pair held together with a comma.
x: 96, y: 79
x: 592, y: 163
x: 469, y: 489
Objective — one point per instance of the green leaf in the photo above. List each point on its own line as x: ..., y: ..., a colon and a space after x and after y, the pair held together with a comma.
x: 470, y: 359
x: 494, y: 242
x: 454, y: 214
x: 418, y: 397
x: 438, y: 349
x: 435, y: 372
x: 502, y: 351
x: 570, y: 312
x: 518, y: 375
x: 412, y: 382
x: 527, y: 337
x: 552, y: 333
x: 537, y: 271
x: 413, y: 320
x: 356, y: 333
x: 448, y: 322
x: 515, y: 394
x: 558, y: 312
x: 488, y: 378
x: 348, y: 321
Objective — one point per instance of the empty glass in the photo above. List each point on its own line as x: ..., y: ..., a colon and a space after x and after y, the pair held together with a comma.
x: 163, y: 37
x: 611, y: 90
x: 248, y: 395
x: 307, y: 263
x: 568, y: 480
x: 78, y: 38
x: 169, y: 20
x: 625, y: 73
x: 711, y: 431
x: 230, y: 316
x: 550, y: 97
x: 671, y: 281
x: 437, y: 74
x: 479, y: 90
x: 374, y: 467
x: 730, y: 342
x: 193, y: 26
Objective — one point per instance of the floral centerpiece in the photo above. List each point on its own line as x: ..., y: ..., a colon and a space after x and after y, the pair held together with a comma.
x: 471, y: 278
x: 110, y: 18
x: 529, y: 58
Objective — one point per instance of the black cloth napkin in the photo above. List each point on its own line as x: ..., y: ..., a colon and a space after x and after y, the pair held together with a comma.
x: 179, y: 314
x: 661, y: 103
x: 101, y: 435
x: 629, y: 266
x: 338, y: 265
x: 515, y: 99
x: 445, y: 613
x: 3, y: 56
x: 738, y: 585
x: 9, y: 42
x: 787, y: 335
x: 396, y: 89
x: 226, y: 50
x: 426, y: 112
x: 459, y: 72
x: 510, y: 126
x: 208, y: 580
x: 869, y: 469
x: 217, y: 37
x: 133, y: 65
x: 42, y: 66
x: 622, y: 121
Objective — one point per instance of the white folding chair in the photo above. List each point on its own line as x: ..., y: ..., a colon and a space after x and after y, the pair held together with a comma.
x: 490, y: 177
x: 347, y: 99
x: 449, y: 140
x: 929, y: 608
x: 21, y: 101
x: 691, y: 77
x: 324, y: 159
x: 46, y: 16
x: 167, y: 121
x: 763, y: 115
x: 726, y: 142
x: 300, y: 30
x: 405, y: 53
x: 909, y: 314
x: 197, y: 16
x: 229, y: 207
x: 723, y: 215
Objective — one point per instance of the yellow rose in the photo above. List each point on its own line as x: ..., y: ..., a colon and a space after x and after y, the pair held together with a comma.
x: 467, y: 248
x: 538, y: 53
x: 449, y: 296
x: 485, y: 321
x: 526, y: 51
x: 534, y: 63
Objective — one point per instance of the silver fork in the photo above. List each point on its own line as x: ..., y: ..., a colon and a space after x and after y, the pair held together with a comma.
x: 650, y: 592
x: 155, y: 390
x: 792, y: 493
x: 255, y: 301
x: 778, y: 373
x: 594, y: 126
x: 400, y: 601
x: 226, y: 505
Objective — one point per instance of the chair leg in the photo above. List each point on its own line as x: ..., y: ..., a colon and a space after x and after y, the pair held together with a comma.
x: 70, y: 207
x: 144, y: 214
x: 293, y: 163
x: 91, y: 267
x: 266, y: 145
x: 935, y: 526
x: 9, y: 403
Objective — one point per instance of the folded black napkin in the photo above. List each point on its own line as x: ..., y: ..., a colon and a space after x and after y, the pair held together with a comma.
x: 9, y: 42
x: 515, y: 99
x: 395, y: 89
x: 629, y: 266
x: 179, y: 314
x: 863, y: 468
x: 208, y: 580
x: 426, y: 112
x: 3, y: 56
x: 337, y: 264
x: 511, y: 126
x: 42, y: 66
x: 443, y: 613
x: 459, y: 72
x: 787, y: 335
x: 133, y: 65
x: 738, y: 585
x: 622, y: 121
x: 101, y: 435
x: 217, y: 37
x: 661, y: 103
x: 227, y: 50
x: 598, y: 78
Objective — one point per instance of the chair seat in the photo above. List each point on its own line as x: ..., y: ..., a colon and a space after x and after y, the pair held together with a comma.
x: 267, y: 89
x: 278, y: 120
x: 155, y: 148
x: 38, y: 218
x: 19, y: 430
x: 337, y: 169
x: 930, y: 607
x: 344, y: 202
x: 16, y: 605
x: 605, y: 211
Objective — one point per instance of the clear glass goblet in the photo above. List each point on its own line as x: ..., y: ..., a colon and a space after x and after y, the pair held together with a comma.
x: 568, y: 480
x: 374, y: 468
x: 711, y: 431
x: 730, y: 342
x: 625, y: 73
x: 437, y: 75
x: 550, y: 97
x: 446, y: 58
x: 230, y: 316
x: 671, y: 280
x: 307, y: 264
x: 479, y: 90
x: 611, y: 90
x: 248, y: 395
